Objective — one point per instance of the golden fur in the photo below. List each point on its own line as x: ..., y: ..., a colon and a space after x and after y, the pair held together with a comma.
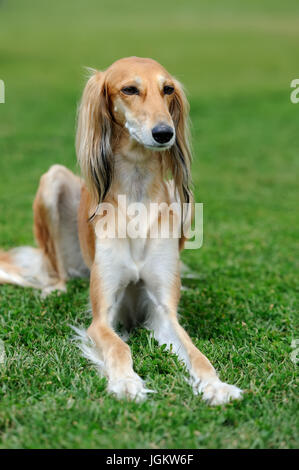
x: 133, y: 140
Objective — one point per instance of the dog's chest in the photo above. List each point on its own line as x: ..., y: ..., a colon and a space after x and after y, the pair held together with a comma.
x: 136, y: 185
x: 133, y: 178
x: 121, y: 259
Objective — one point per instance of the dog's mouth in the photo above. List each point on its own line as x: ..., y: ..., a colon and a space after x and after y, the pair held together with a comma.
x: 150, y: 144
x: 159, y: 146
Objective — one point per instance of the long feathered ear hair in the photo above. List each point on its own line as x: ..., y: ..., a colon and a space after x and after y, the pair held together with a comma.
x: 180, y: 152
x: 94, y: 137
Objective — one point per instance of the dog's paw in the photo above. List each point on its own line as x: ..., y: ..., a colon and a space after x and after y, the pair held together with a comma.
x: 130, y: 388
x: 59, y: 287
x: 215, y: 392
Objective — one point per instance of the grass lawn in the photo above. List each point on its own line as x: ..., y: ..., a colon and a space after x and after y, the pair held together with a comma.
x: 237, y: 60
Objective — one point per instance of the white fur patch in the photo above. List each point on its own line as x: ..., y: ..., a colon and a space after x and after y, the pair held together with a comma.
x: 88, y: 348
x: 31, y: 266
x: 130, y: 388
x: 138, y: 80
x: 12, y: 278
x: 215, y: 392
x: 161, y: 80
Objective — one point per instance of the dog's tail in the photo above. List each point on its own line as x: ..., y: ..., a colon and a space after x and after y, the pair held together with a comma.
x: 25, y: 266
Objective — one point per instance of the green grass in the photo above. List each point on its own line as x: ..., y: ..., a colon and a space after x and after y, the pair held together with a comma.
x: 237, y: 60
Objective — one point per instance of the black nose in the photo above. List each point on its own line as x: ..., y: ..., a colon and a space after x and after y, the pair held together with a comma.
x: 162, y: 133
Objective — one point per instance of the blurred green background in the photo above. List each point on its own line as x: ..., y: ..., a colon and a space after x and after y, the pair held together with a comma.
x: 237, y: 60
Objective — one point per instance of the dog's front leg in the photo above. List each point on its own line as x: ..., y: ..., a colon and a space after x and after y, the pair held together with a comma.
x: 105, y: 293
x: 162, y: 280
x: 204, y: 378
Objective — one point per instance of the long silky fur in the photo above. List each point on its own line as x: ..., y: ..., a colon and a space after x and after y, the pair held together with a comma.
x: 94, y: 137
x: 179, y: 156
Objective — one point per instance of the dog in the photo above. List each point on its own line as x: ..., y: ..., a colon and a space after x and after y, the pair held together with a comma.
x: 133, y: 140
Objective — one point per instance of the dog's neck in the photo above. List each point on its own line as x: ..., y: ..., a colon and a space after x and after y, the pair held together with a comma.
x: 138, y: 174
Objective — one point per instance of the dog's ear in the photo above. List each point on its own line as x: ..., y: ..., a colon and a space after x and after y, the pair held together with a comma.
x: 94, y: 136
x: 180, y: 153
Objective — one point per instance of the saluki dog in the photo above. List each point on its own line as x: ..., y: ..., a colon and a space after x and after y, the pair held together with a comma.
x: 132, y: 140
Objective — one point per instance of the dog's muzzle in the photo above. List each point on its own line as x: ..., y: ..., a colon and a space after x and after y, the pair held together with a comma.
x: 162, y: 133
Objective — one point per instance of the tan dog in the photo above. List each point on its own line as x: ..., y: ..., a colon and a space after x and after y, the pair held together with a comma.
x: 132, y: 133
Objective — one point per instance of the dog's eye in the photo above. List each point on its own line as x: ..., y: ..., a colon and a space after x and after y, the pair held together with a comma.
x: 130, y: 90
x: 168, y: 90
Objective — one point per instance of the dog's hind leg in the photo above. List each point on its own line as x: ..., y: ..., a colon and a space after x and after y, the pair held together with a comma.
x: 58, y: 256
x: 55, y: 225
x: 36, y: 267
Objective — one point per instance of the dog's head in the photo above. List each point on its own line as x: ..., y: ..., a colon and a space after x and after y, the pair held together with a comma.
x: 138, y: 98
